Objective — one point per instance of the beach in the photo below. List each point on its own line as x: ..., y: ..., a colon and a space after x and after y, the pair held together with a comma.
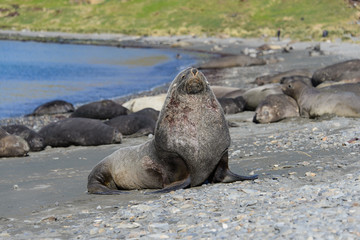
x: 309, y: 172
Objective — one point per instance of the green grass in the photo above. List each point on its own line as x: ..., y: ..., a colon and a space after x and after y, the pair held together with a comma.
x: 298, y: 19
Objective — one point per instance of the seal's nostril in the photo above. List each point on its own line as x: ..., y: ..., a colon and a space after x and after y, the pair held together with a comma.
x: 194, y: 71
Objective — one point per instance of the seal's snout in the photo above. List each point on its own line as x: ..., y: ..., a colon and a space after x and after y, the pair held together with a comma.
x: 194, y: 71
x: 195, y: 82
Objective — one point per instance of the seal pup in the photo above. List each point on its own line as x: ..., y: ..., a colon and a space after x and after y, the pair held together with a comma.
x: 53, y: 107
x: 241, y: 60
x: 156, y: 102
x: 35, y: 141
x: 136, y: 124
x: 313, y: 102
x: 275, y: 108
x: 190, y: 145
x: 79, y: 132
x: 11, y: 145
x: 105, y: 109
x: 337, y: 72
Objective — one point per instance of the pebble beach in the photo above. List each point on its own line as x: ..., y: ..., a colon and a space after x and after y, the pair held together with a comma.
x: 309, y: 171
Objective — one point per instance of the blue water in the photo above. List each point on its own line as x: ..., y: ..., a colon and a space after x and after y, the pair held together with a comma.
x: 33, y: 73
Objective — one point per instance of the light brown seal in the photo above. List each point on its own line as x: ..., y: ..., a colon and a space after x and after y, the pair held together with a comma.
x: 35, y: 141
x: 190, y: 145
x: 275, y: 108
x: 313, y: 102
x: 256, y: 95
x: 11, y: 145
x: 232, y: 61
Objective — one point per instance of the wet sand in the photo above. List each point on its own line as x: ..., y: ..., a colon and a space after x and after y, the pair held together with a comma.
x: 53, y: 182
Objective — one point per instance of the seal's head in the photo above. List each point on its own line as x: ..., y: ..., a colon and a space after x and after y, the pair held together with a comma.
x: 265, y: 114
x: 190, y: 81
x: 293, y: 87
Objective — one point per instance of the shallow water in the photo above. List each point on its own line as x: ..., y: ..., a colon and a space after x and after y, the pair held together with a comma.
x: 33, y: 73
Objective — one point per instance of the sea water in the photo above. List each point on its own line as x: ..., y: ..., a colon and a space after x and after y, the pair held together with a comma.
x: 33, y: 73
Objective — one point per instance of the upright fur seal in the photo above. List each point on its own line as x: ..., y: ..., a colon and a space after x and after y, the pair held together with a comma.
x: 190, y: 145
x: 79, y: 131
x: 53, y: 107
x: 105, y: 109
x: 313, y: 102
x: 35, y: 141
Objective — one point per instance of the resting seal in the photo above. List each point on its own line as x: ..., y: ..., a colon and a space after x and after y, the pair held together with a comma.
x: 190, y: 145
x: 35, y: 141
x: 11, y: 145
x: 79, y: 131
x: 53, y: 107
x: 232, y: 105
x: 275, y: 108
x: 232, y: 61
x: 275, y: 78
x: 105, y: 109
x: 313, y: 102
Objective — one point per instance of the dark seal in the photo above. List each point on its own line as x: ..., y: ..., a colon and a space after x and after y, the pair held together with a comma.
x: 190, y: 145
x: 136, y: 124
x: 232, y: 61
x: 232, y: 105
x: 53, y: 107
x: 35, y: 141
x: 275, y: 78
x: 79, y: 132
x: 105, y: 109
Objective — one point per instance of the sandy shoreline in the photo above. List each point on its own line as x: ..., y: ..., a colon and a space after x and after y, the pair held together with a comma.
x: 288, y: 156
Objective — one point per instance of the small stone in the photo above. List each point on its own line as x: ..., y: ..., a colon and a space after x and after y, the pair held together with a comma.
x: 158, y: 227
x: 128, y: 225
x: 310, y: 174
x: 98, y: 207
x: 158, y: 236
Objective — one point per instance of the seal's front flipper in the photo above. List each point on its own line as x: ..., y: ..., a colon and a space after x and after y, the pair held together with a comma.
x: 98, y: 188
x: 174, y: 186
x: 223, y: 174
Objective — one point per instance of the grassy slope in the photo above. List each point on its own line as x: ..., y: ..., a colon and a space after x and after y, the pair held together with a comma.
x: 243, y: 18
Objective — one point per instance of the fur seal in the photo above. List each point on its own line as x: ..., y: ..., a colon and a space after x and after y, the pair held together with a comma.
x: 53, y: 107
x: 232, y: 61
x: 137, y: 104
x: 35, y: 141
x: 275, y: 78
x: 136, y: 124
x: 313, y: 102
x: 105, y: 109
x: 337, y: 72
x: 12, y: 146
x: 79, y: 131
x: 232, y: 105
x: 190, y: 145
x: 275, y: 108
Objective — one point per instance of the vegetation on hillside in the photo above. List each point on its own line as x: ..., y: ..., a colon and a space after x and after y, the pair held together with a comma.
x: 298, y: 19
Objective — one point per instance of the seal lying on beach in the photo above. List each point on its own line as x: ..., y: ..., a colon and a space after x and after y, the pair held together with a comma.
x: 11, y: 145
x: 275, y: 78
x: 232, y: 105
x: 53, y: 107
x: 254, y: 96
x: 35, y: 141
x: 340, y: 71
x: 314, y: 102
x: 190, y: 145
x: 156, y: 102
x: 275, y: 108
x: 105, y: 109
x: 232, y: 61
x: 136, y: 124
x: 79, y: 131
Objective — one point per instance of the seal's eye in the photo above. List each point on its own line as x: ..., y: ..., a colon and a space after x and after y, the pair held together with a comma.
x: 182, y: 77
x: 289, y: 86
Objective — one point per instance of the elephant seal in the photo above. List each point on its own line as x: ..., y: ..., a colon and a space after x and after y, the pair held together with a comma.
x: 105, y: 109
x: 255, y: 95
x: 344, y: 87
x: 275, y: 108
x: 137, y: 104
x: 35, y: 141
x: 275, y: 78
x: 232, y: 61
x: 337, y: 72
x: 190, y: 145
x: 53, y: 107
x: 232, y: 105
x: 79, y: 131
x: 136, y: 124
x: 11, y: 145
x: 313, y: 102
x: 221, y: 91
